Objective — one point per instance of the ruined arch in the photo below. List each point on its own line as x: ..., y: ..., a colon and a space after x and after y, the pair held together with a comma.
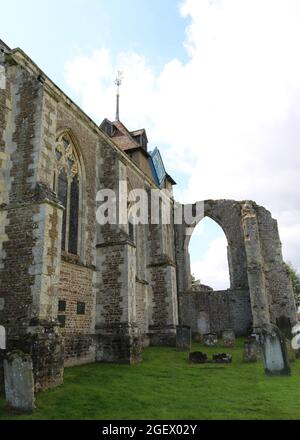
x: 260, y: 289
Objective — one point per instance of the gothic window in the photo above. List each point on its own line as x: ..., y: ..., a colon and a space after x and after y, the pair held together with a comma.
x: 67, y: 185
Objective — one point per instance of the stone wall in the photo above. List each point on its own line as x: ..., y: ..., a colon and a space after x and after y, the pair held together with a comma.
x: 76, y: 299
x: 30, y: 227
x: 215, y: 311
x: 277, y: 280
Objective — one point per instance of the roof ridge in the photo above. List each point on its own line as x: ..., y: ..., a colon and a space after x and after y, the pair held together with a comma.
x: 4, y: 45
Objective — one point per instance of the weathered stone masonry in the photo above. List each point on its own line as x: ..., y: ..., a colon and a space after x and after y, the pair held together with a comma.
x: 28, y: 239
x: 74, y: 291
x: 260, y: 289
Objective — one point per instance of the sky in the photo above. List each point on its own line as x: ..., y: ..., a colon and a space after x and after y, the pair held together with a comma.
x: 216, y: 84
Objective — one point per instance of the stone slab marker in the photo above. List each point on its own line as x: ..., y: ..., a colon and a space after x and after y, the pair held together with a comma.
x: 19, y: 383
x: 203, y: 323
x: 183, y: 338
x: 2, y: 338
x: 210, y: 340
x: 251, y: 350
x: 274, y: 351
x: 228, y: 337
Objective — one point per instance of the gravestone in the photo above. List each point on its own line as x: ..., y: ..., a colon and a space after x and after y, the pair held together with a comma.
x: 228, y: 337
x: 2, y: 338
x: 222, y: 358
x: 251, y: 350
x: 19, y: 383
x: 210, y: 340
x: 274, y: 351
x: 203, y: 323
x: 197, y: 357
x: 2, y: 354
x: 183, y: 338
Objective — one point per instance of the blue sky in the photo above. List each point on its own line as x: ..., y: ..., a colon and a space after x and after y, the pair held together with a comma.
x: 53, y: 31
x: 216, y: 83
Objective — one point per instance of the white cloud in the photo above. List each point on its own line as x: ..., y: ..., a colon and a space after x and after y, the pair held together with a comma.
x: 212, y: 267
x: 229, y: 116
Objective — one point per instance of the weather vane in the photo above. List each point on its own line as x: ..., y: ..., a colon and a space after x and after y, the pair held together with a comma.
x: 118, y: 82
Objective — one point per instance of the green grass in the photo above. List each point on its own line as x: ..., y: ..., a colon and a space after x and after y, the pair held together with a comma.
x: 166, y: 386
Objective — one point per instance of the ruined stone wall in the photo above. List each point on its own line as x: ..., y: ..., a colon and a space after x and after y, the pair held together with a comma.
x: 255, y: 263
x: 216, y: 311
x: 277, y: 280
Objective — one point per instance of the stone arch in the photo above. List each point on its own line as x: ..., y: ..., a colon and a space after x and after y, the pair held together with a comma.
x: 215, y: 310
x: 227, y: 214
x: 260, y: 290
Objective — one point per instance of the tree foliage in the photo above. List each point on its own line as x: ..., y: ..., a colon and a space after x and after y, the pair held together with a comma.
x: 195, y: 282
x: 295, y: 278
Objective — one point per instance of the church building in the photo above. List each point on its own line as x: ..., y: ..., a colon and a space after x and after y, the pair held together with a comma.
x: 75, y: 291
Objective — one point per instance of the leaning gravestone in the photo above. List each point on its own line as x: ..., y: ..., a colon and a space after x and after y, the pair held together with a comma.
x: 19, y: 383
x: 210, y: 340
x: 274, y: 351
x: 228, y: 337
x: 183, y: 338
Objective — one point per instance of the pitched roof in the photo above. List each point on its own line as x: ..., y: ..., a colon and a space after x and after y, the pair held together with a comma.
x: 120, y: 135
x: 139, y: 132
x: 125, y: 139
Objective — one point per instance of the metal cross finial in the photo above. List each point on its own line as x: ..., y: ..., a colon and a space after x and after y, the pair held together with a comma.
x: 118, y: 82
x: 119, y: 79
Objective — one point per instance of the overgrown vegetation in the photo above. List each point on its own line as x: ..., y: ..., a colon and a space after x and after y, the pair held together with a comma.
x: 295, y: 277
x: 195, y: 281
x: 166, y: 386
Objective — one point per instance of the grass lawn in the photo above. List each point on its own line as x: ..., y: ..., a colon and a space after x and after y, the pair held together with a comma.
x: 166, y: 386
